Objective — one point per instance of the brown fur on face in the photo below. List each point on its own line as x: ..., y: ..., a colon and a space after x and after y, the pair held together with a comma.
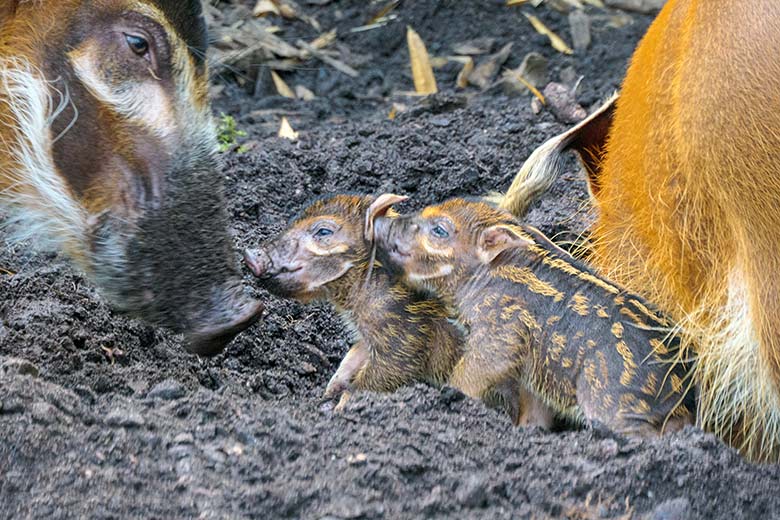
x: 581, y: 344
x: 106, y: 152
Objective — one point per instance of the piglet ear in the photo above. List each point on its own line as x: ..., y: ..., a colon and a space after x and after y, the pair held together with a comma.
x: 7, y: 10
x: 377, y: 209
x: 496, y: 239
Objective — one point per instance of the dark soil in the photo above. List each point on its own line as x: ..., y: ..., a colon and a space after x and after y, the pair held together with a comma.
x: 120, y: 422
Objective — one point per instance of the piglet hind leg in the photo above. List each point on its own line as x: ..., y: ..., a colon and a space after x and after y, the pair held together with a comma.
x: 523, y: 407
x: 534, y: 412
x: 604, y: 407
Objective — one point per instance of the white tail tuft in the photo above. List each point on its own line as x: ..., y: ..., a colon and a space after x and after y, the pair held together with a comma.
x: 540, y: 170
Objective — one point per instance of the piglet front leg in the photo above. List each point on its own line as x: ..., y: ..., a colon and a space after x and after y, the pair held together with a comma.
x: 340, y: 385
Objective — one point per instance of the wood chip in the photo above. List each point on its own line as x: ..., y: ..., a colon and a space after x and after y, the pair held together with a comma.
x: 562, y: 101
x: 281, y: 87
x: 556, y: 41
x: 462, y: 80
x: 286, y: 131
x: 396, y: 109
x: 422, y: 72
x: 333, y: 62
x: 357, y: 460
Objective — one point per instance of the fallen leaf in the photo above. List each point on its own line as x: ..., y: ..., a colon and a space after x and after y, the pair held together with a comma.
x: 333, y: 62
x: 475, y: 46
x: 286, y: 131
x: 462, y: 80
x: 281, y: 87
x: 438, y: 62
x: 556, y: 41
x: 303, y: 93
x: 510, y: 3
x: 289, y: 9
x: 486, y: 71
x: 325, y: 39
x: 595, y: 3
x: 264, y: 8
x: 567, y: 5
x: 530, y: 87
x: 422, y: 72
x: 286, y: 9
x: 383, y: 12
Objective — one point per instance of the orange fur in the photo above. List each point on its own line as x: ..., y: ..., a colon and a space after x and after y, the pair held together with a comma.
x: 689, y: 201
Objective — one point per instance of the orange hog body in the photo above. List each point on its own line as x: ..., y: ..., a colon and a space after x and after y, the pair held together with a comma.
x: 688, y: 198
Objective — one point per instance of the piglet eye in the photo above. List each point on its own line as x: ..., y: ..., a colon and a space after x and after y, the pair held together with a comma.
x: 439, y: 232
x: 137, y: 44
x: 323, y: 232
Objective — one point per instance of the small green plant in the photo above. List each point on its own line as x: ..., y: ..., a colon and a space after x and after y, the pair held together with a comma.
x: 228, y: 133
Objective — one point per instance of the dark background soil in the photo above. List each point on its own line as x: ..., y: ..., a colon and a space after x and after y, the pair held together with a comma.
x: 120, y: 422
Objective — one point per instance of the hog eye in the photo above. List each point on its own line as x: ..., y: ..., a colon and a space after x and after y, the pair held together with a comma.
x: 323, y: 232
x: 439, y: 232
x: 137, y: 44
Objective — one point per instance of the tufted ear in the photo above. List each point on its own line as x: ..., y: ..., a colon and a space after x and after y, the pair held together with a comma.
x: 379, y: 208
x: 496, y: 239
x: 7, y: 10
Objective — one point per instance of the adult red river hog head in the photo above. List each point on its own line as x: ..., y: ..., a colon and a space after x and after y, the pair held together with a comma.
x: 107, y: 153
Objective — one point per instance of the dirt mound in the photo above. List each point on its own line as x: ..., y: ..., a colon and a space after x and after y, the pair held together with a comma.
x: 104, y: 416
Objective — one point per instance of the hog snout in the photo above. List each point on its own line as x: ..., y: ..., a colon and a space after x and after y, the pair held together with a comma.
x: 259, y: 262
x: 231, y: 312
x: 175, y: 266
x: 391, y: 235
x: 280, y: 258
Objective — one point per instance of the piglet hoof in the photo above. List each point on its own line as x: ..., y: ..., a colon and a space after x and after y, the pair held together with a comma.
x: 333, y: 398
x: 336, y: 386
x: 336, y: 403
x: 599, y: 430
x: 345, y: 396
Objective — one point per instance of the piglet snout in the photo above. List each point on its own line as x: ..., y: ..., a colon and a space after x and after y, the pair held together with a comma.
x: 258, y: 262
